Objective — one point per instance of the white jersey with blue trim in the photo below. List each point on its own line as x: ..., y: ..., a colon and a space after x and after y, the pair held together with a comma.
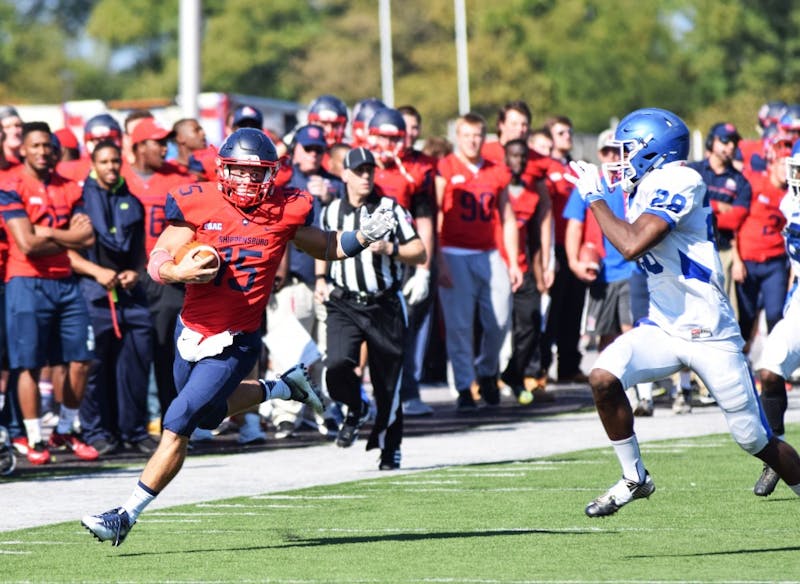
x: 790, y: 207
x: 684, y: 273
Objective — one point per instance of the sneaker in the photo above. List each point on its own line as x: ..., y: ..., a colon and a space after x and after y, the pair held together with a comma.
x: 104, y: 446
x: 147, y: 445
x: 112, y: 525
x: 284, y: 429
x: 352, y: 423
x: 38, y: 453
x: 8, y: 461
x: 680, y: 406
x: 416, y: 407
x: 72, y: 442
x: 390, y: 459
x: 465, y: 401
x: 525, y: 397
x: 644, y: 408
x: 620, y: 494
x: 303, y: 388
x: 20, y: 444
x: 487, y: 386
x: 767, y: 482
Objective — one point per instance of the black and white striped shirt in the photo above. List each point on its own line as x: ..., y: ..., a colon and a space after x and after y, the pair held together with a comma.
x: 368, y: 272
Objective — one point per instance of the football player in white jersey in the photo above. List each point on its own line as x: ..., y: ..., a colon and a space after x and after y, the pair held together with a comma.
x: 781, y: 354
x: 669, y: 231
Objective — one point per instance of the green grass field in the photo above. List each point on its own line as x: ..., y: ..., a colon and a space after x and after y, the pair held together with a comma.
x: 516, y: 522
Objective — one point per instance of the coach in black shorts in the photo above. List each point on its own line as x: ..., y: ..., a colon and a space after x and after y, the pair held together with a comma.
x: 365, y: 303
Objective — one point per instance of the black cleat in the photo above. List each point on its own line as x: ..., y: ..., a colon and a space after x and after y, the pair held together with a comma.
x: 767, y: 482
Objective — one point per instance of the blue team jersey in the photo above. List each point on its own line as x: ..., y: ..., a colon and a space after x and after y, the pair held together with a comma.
x: 615, y: 267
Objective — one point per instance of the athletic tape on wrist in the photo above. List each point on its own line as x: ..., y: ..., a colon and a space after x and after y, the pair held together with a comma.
x: 158, y: 257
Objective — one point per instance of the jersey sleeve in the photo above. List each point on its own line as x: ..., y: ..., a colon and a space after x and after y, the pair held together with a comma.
x: 680, y: 190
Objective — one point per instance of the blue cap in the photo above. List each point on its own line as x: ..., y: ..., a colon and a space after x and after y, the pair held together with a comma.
x: 311, y: 136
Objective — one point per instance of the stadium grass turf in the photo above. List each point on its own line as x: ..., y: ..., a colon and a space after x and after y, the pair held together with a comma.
x: 514, y: 522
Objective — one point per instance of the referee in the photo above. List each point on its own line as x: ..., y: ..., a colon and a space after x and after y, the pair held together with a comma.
x: 365, y: 303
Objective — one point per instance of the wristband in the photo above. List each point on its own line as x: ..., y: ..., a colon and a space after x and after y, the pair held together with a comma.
x: 321, y: 277
x: 158, y: 257
x: 350, y: 244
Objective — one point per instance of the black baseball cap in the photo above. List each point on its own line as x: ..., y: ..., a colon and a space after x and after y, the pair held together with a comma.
x: 358, y: 157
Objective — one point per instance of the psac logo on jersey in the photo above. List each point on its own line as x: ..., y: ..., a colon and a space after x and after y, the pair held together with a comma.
x: 212, y: 226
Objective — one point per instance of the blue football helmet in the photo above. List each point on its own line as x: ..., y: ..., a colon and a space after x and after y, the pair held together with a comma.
x: 387, y: 122
x: 247, y: 147
x: 101, y: 127
x: 362, y: 113
x: 647, y: 139
x: 330, y: 112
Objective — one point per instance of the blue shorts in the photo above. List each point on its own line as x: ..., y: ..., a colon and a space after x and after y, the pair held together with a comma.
x: 47, y: 322
x: 204, y: 386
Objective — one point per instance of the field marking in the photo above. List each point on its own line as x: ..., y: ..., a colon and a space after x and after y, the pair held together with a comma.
x: 309, y: 497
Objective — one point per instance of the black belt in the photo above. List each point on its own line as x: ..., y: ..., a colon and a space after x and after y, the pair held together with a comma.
x: 365, y: 298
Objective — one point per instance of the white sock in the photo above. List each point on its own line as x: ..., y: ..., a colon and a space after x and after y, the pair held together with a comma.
x: 2, y: 401
x: 139, y: 499
x: 645, y: 390
x: 633, y: 396
x: 275, y: 389
x: 630, y: 458
x: 33, y: 428
x: 66, y: 418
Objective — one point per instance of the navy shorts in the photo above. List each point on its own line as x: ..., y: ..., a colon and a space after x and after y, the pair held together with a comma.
x: 204, y: 386
x: 47, y: 322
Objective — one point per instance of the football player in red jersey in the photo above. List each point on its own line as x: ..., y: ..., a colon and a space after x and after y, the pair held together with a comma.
x: 249, y: 222
x: 470, y: 192
x: 44, y: 217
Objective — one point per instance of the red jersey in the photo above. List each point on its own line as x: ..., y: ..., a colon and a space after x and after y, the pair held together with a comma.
x: 560, y: 189
x: 152, y: 192
x: 469, y: 204
x: 759, y: 237
x: 5, y: 175
x: 76, y: 170
x: 422, y: 169
x: 51, y: 205
x: 524, y: 201
x: 493, y: 151
x: 251, y: 248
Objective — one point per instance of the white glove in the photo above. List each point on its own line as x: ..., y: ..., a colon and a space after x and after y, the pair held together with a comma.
x: 587, y: 180
x: 374, y: 227
x: 418, y: 286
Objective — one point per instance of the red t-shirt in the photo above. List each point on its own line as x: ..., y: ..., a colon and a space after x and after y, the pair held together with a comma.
x: 50, y: 205
x: 251, y: 247
x: 152, y: 193
x: 524, y: 203
x: 469, y: 204
x: 759, y: 237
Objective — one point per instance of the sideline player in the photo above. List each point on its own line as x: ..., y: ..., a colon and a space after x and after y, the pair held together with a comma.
x: 670, y: 232
x: 781, y: 354
x: 249, y: 223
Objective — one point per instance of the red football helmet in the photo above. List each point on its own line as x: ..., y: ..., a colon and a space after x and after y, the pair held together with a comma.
x: 386, y: 134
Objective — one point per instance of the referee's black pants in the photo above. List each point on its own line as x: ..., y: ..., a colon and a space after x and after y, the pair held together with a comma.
x: 382, y: 324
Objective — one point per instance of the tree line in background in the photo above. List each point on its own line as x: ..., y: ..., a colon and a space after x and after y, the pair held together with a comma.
x: 708, y: 60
